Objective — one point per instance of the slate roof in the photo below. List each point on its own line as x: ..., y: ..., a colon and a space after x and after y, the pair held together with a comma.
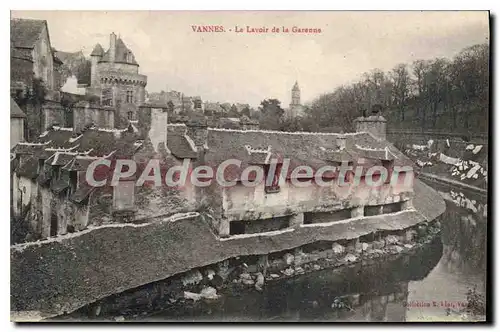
x: 15, y: 110
x: 59, y: 185
x: 61, y: 147
x: 180, y: 146
x: 338, y: 156
x: 259, y: 158
x: 97, y: 51
x: 79, y: 163
x: 69, y: 56
x: 24, y: 32
x: 304, y: 149
x: 120, y: 54
x: 250, y: 147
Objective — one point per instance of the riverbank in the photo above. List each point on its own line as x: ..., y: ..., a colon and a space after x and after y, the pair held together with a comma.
x: 210, y: 284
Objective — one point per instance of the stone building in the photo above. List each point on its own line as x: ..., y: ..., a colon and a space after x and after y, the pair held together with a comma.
x: 115, y: 78
x: 295, y: 109
x: 31, y: 51
x: 33, y: 69
x: 138, y: 229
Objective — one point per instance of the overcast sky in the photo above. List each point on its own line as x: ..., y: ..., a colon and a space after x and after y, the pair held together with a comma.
x: 246, y: 67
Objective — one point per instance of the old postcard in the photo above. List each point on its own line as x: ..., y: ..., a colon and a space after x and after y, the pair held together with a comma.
x: 251, y: 166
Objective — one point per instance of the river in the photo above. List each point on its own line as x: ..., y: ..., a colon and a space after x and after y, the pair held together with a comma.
x: 410, y: 288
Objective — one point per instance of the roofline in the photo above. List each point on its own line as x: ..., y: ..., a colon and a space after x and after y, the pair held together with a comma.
x: 127, y: 63
x: 286, y: 132
x: 38, y: 37
x: 26, y: 58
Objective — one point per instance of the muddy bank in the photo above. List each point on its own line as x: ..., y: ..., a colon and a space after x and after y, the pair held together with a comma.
x: 209, y: 285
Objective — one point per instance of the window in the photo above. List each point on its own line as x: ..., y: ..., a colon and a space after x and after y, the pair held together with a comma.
x: 325, y: 217
x: 107, y: 97
x: 130, y: 96
x: 373, y: 210
x: 272, y: 187
x: 237, y: 227
x: 124, y: 196
x: 258, y: 226
x: 130, y: 115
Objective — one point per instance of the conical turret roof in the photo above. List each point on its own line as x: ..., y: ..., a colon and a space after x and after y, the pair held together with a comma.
x: 98, y: 51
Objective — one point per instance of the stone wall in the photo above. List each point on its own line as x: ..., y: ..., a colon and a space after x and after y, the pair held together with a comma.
x: 54, y: 114
x: 102, y: 117
x: 43, y: 61
x: 104, y: 67
x: 21, y: 70
x: 247, y: 203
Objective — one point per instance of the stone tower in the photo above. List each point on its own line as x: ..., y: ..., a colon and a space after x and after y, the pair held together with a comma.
x: 295, y: 108
x: 295, y: 94
x: 115, y: 78
x: 95, y: 56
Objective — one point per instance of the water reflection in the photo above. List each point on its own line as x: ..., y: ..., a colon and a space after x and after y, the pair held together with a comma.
x: 400, y: 289
x: 463, y: 262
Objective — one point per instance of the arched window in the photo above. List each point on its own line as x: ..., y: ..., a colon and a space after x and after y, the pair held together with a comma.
x: 130, y: 115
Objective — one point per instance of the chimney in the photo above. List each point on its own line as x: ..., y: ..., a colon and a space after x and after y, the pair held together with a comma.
x: 374, y: 124
x: 80, y: 110
x: 152, y: 125
x: 197, y: 130
x: 112, y: 47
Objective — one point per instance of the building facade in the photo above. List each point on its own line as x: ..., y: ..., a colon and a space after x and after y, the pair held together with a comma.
x: 35, y: 80
x: 30, y: 41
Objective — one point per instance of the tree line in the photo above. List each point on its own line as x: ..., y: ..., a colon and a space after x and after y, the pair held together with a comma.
x: 438, y: 94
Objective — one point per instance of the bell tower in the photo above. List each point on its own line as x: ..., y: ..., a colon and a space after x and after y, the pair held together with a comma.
x: 295, y: 108
x: 295, y: 95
